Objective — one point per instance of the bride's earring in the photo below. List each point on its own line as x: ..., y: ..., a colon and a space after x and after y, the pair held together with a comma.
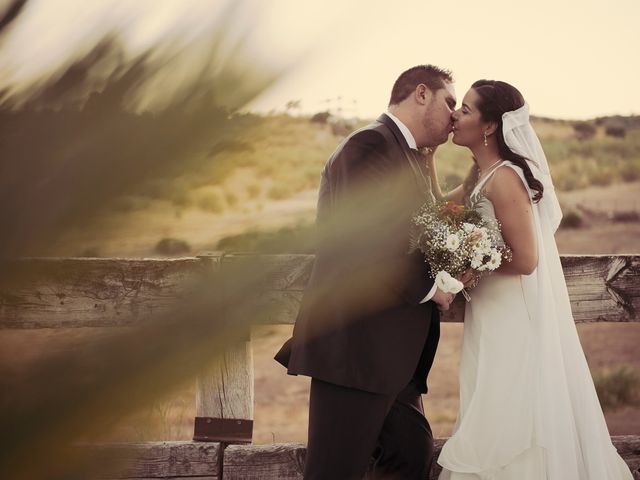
x: 485, y: 140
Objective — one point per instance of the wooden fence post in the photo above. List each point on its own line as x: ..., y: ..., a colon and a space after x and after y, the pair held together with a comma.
x: 224, y: 398
x: 224, y: 392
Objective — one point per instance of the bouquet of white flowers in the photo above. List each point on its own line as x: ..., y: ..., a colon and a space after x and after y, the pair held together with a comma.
x: 454, y: 238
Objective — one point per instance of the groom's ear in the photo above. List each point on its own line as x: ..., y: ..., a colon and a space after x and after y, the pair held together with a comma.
x: 422, y: 94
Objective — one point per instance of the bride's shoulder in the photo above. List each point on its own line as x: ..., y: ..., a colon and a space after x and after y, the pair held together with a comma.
x: 507, y: 184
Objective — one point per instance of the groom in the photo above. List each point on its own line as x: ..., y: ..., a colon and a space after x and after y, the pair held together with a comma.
x: 368, y: 326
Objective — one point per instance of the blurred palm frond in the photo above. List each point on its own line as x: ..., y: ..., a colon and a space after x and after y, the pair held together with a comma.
x: 97, y: 128
x: 69, y: 145
x: 78, y: 394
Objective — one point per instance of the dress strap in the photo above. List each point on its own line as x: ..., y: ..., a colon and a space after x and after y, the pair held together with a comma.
x: 486, y: 178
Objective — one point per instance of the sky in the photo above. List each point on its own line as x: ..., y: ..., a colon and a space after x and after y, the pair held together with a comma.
x: 572, y: 59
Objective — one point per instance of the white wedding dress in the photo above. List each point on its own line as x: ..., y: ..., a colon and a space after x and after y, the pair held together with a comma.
x: 528, y: 406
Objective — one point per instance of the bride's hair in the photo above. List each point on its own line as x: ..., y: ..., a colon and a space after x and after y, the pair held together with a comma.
x: 496, y: 99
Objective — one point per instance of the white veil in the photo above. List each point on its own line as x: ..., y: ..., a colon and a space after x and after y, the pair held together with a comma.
x: 569, y: 423
x: 522, y: 139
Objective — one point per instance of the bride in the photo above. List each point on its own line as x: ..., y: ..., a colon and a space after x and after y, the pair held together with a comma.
x: 528, y: 406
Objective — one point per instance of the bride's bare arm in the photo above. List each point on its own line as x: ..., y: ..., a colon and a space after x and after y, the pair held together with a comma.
x: 513, y: 210
x: 455, y: 195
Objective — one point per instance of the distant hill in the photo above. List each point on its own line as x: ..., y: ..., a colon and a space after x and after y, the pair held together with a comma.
x: 219, y: 163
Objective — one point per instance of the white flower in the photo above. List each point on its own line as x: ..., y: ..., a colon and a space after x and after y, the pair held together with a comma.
x: 468, y: 227
x: 485, y: 247
x: 453, y: 242
x: 447, y: 283
x: 481, y: 248
x: 495, y: 260
x: 476, y: 262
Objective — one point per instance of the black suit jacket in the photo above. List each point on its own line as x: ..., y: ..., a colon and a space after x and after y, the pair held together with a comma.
x: 361, y: 323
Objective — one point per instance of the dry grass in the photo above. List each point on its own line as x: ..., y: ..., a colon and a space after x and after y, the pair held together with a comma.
x: 273, y: 184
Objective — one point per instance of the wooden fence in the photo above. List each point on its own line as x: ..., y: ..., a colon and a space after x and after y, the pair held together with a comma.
x: 62, y: 293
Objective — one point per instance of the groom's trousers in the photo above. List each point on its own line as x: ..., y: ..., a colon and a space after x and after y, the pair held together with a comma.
x: 353, y: 433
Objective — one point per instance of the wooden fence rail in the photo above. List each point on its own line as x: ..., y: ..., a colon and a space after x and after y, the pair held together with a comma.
x: 81, y: 292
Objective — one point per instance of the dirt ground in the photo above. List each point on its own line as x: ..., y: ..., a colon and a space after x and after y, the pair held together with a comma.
x: 282, y: 400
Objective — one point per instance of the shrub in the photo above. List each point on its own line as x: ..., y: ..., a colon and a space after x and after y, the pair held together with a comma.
x: 295, y: 239
x: 584, y: 130
x: 624, y: 217
x: 630, y: 173
x: 211, y: 202
x: 172, y: 246
x: 571, y: 219
x: 321, y: 117
x: 618, y: 387
x: 244, y: 242
x: 616, y: 131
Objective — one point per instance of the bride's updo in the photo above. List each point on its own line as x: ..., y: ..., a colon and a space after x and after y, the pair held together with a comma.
x: 496, y: 99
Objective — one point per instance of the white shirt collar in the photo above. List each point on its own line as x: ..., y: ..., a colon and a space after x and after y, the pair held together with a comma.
x: 404, y: 130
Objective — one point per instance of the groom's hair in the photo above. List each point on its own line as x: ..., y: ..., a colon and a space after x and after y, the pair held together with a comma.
x: 430, y: 75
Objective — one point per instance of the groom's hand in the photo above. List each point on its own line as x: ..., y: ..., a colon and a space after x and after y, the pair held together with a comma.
x: 443, y: 300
